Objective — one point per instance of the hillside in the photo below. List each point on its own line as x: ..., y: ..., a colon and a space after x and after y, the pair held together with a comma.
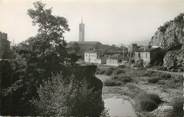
x: 102, y: 48
x: 170, y: 37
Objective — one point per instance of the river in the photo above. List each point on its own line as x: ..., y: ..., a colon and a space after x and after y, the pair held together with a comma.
x: 119, y: 107
x: 116, y: 104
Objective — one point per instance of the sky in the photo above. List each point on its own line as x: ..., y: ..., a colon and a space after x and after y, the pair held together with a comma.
x: 107, y: 21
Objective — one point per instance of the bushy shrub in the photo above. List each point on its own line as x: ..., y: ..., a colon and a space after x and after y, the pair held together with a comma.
x: 109, y: 71
x: 105, y: 113
x: 175, y: 82
x: 126, y: 79
x: 123, y: 78
x: 112, y: 82
x: 121, y: 66
x: 60, y: 98
x: 139, y: 63
x: 165, y: 76
x: 147, y: 102
x: 100, y: 71
x: 153, y: 80
x: 118, y: 71
x: 105, y: 71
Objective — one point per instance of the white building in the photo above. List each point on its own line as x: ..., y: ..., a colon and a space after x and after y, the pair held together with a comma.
x: 92, y: 57
x: 114, y: 60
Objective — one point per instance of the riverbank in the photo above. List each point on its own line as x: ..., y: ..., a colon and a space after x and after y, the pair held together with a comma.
x: 140, y: 81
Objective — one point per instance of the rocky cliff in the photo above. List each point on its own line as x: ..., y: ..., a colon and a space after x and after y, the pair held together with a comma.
x: 174, y: 60
x: 170, y: 37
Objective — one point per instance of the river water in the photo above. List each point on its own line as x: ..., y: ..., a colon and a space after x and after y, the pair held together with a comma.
x: 119, y: 107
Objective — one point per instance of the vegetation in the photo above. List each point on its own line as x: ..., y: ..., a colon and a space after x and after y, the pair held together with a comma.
x: 31, y: 84
x: 178, y: 107
x: 105, y: 71
x: 58, y: 98
x: 147, y: 102
x: 153, y: 80
x: 112, y: 82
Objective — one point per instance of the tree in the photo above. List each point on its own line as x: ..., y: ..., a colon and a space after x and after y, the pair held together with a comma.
x: 41, y: 56
x: 36, y: 60
x: 46, y: 52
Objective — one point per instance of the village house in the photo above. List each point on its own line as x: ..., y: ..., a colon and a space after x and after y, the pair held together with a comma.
x: 111, y: 58
x: 114, y: 60
x: 92, y: 56
x: 148, y: 55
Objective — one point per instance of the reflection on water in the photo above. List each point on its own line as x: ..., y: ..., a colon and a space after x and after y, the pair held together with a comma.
x: 119, y: 107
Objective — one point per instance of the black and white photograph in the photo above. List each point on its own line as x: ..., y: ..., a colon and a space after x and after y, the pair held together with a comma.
x: 91, y: 58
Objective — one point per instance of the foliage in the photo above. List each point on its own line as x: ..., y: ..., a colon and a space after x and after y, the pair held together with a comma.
x: 112, y: 82
x: 58, y: 98
x: 36, y: 60
x: 106, y: 71
x: 118, y: 71
x: 139, y: 63
x: 47, y: 23
x: 105, y: 113
x: 147, y: 102
x: 109, y: 71
x: 153, y: 80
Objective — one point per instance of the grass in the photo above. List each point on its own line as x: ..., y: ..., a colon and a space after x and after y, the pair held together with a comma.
x: 133, y: 90
x: 173, y: 81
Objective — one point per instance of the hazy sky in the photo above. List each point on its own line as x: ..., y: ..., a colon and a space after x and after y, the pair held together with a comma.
x: 107, y: 21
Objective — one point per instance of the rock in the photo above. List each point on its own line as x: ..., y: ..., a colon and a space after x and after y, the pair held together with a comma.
x: 174, y: 60
x: 170, y: 35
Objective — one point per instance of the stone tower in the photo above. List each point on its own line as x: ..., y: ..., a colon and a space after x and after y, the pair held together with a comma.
x: 4, y: 45
x: 81, y: 32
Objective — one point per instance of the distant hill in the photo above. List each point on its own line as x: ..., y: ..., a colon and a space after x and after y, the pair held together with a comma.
x: 142, y: 42
x: 102, y: 48
x: 170, y: 37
